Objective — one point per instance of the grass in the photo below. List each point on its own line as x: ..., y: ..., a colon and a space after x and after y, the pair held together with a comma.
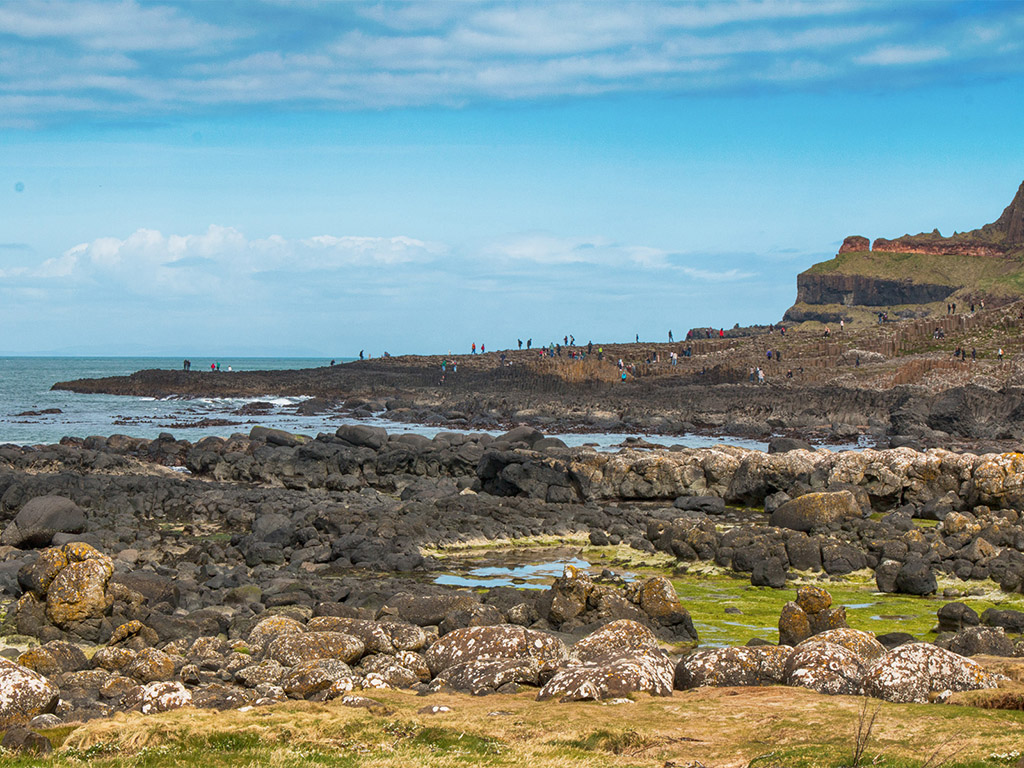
x: 994, y: 275
x: 713, y: 726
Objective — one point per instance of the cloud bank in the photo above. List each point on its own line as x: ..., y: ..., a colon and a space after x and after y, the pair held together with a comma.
x: 65, y: 60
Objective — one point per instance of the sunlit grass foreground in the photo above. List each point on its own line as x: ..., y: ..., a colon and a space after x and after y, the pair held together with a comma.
x: 711, y: 727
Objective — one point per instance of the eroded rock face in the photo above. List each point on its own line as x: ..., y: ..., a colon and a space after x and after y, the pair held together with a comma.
x: 743, y: 666
x: 24, y: 693
x: 917, y: 672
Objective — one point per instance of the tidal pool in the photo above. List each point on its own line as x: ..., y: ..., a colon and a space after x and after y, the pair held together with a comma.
x: 707, y: 592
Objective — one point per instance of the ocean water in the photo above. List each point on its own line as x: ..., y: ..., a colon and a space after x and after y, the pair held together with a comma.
x: 25, y: 395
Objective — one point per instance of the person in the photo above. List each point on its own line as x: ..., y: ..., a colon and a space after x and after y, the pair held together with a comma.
x: 827, y: 332
x: 974, y: 353
x: 842, y: 324
x: 638, y: 338
x: 1000, y: 353
x: 213, y: 366
x: 184, y: 365
x: 721, y: 333
x: 360, y: 354
x: 332, y: 362
x: 565, y: 340
x: 520, y: 343
x: 529, y: 342
x: 760, y: 376
x: 623, y: 376
x: 590, y: 347
x: 483, y: 349
x: 474, y: 347
x: 572, y: 340
x: 670, y: 336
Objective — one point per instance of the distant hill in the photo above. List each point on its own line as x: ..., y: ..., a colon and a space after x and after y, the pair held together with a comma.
x: 917, y: 275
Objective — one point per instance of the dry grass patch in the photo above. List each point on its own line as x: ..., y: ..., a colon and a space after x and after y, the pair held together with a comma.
x: 727, y: 727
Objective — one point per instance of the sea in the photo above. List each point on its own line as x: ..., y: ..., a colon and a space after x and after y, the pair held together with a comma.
x: 31, y: 413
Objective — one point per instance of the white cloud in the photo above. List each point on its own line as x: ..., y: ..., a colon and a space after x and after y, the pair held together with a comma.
x: 900, y: 55
x: 130, y: 59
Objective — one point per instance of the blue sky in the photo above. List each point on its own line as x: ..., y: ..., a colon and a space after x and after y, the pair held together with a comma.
x: 316, y: 178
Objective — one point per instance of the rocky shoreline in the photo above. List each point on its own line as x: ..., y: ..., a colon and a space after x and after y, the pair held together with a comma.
x: 149, y: 574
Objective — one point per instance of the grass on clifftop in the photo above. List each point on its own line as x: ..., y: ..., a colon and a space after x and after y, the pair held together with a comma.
x: 989, y: 275
x: 733, y: 727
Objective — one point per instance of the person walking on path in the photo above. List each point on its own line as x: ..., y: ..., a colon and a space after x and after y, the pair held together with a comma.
x: 670, y: 336
x: 474, y: 347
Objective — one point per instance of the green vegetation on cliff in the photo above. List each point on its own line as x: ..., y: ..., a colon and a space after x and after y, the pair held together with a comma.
x: 978, y: 274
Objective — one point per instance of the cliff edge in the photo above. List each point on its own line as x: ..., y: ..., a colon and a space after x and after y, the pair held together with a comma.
x: 916, y: 275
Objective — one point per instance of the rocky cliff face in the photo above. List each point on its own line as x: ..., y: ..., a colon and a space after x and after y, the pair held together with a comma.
x: 836, y: 288
x: 822, y: 295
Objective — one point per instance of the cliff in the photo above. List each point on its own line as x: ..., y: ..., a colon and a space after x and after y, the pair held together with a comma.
x: 917, y: 274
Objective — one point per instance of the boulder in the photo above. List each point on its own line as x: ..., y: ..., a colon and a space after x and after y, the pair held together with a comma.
x: 41, y: 518
x: 916, y: 672
x: 24, y: 694
x: 982, y: 641
x: 813, y: 511
x: 743, y: 666
x: 864, y: 644
x: 150, y: 665
x: 499, y: 642
x: 361, y: 435
x: 309, y: 678
x: 79, y: 591
x: 19, y: 739
x: 156, y: 697
x: 956, y: 616
x: 612, y: 678
x: 659, y: 600
x: 618, y: 638
x: 424, y: 610
x: 825, y: 667
x: 373, y: 634
x: 54, y: 658
x: 1010, y: 620
x: 290, y: 649
x: 915, y: 577
x: 488, y: 676
x: 271, y: 628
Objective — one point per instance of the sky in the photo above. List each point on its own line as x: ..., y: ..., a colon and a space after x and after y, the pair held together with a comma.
x: 263, y: 177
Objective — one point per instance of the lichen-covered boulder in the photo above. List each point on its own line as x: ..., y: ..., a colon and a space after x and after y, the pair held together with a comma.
x: 35, y: 577
x: 265, y: 673
x: 616, y: 639
x: 374, y: 636
x: 794, y: 626
x: 311, y: 677
x: 79, y: 591
x: 133, y: 634
x: 24, y: 693
x: 864, y: 644
x: 825, y: 667
x: 113, y: 659
x: 156, y: 697
x: 811, y: 614
x: 54, y: 658
x: 488, y: 676
x: 612, y: 678
x: 658, y: 599
x: 270, y: 628
x: 382, y: 671
x: 742, y: 666
x: 567, y: 597
x: 916, y: 672
x: 502, y: 641
x: 290, y: 648
x: 405, y: 637
x: 150, y: 665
